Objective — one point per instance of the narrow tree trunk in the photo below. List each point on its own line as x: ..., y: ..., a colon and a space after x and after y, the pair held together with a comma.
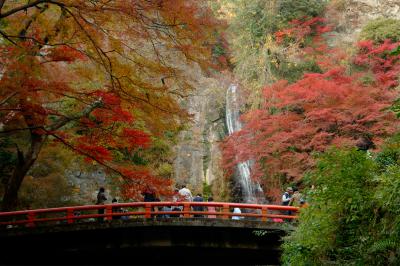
x: 24, y: 163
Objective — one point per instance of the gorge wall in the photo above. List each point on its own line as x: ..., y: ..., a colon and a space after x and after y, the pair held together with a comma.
x: 197, y: 153
x: 350, y: 16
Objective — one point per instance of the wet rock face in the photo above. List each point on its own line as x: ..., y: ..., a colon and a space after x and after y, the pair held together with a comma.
x: 350, y: 16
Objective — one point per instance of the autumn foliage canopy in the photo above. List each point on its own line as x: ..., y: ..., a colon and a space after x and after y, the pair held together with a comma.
x: 98, y: 77
x: 340, y: 106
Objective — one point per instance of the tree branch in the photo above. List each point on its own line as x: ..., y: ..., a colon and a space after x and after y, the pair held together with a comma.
x: 8, y: 97
x: 1, y: 4
x: 5, y: 36
x: 20, y: 129
x: 84, y: 113
x: 29, y: 5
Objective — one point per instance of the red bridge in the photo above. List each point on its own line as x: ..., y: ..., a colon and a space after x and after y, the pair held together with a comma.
x: 140, y: 231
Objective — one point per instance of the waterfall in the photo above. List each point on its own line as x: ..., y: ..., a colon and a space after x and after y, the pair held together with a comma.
x: 233, y: 124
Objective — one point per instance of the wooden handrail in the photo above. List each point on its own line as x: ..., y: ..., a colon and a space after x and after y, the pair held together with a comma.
x: 148, y: 210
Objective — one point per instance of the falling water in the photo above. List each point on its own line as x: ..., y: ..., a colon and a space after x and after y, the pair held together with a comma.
x: 233, y: 124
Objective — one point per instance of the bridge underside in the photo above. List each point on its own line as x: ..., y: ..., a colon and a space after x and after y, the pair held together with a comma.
x: 167, y: 242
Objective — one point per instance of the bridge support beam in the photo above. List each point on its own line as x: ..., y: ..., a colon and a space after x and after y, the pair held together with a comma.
x: 144, y: 241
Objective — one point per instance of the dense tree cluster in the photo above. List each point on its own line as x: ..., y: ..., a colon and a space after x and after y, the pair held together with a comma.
x: 323, y: 117
x: 353, y: 212
x: 334, y: 107
x: 99, y: 77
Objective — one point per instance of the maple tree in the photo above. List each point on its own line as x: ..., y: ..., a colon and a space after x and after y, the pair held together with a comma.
x: 336, y: 107
x: 97, y: 76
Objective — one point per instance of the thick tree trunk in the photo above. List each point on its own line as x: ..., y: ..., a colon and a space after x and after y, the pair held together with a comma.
x: 24, y: 163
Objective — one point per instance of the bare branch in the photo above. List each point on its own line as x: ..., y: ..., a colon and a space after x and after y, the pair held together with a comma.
x: 8, y: 97
x: 20, y: 129
x: 84, y: 113
x: 5, y: 36
x: 26, y: 6
x: 1, y: 4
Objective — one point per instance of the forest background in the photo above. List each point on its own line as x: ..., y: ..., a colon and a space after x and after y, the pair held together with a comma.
x: 101, y: 86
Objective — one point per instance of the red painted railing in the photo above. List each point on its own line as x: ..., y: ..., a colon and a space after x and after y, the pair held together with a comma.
x: 223, y: 210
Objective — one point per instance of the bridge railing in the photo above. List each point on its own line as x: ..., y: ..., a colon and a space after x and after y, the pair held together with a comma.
x: 150, y: 210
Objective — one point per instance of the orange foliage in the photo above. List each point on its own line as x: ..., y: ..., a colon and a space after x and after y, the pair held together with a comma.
x: 83, y: 73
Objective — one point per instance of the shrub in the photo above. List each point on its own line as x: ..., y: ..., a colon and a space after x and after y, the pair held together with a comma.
x: 381, y: 29
x: 353, y: 214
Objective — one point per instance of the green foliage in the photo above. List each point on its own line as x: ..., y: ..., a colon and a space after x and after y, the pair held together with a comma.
x: 218, y: 50
x: 7, y: 159
x: 257, y: 58
x: 293, y: 72
x: 381, y: 29
x: 45, y: 192
x: 289, y: 10
x: 396, y: 107
x: 390, y: 155
x: 165, y: 170
x: 206, y: 191
x: 353, y: 214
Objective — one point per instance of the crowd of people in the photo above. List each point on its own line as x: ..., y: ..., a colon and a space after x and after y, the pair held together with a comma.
x: 291, y: 197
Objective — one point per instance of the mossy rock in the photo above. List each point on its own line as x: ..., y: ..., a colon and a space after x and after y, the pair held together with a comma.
x: 381, y: 29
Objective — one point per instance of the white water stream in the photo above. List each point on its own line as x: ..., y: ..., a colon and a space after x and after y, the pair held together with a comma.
x: 233, y: 124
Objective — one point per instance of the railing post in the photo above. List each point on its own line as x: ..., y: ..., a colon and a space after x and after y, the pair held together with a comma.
x: 264, y: 212
x: 225, y: 209
x: 70, y: 216
x: 186, y: 208
x: 147, y: 210
x: 108, y: 212
x: 31, y: 219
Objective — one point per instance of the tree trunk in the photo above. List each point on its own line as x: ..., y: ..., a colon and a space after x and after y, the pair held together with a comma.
x: 24, y: 163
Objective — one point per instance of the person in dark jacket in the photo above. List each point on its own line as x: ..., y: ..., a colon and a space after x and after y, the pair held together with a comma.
x: 149, y: 195
x: 101, y: 199
x: 198, y: 198
x: 116, y: 210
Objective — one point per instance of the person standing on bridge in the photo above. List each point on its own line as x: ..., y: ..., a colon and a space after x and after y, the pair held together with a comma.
x: 185, y: 193
x: 198, y: 198
x: 295, y: 199
x: 101, y: 199
x: 237, y: 210
x: 286, y: 198
x: 116, y: 210
x: 148, y: 194
x: 176, y: 198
